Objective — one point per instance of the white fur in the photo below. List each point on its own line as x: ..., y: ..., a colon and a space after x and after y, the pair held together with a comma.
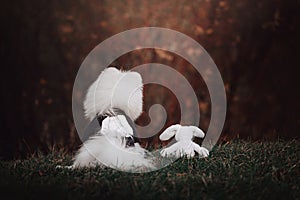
x: 184, y: 144
x: 115, y: 89
x: 116, y: 126
x: 109, y: 149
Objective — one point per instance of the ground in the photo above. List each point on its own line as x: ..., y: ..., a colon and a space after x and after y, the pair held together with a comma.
x: 234, y: 170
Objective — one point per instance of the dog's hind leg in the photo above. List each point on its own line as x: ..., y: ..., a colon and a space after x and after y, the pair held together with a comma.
x: 84, y: 158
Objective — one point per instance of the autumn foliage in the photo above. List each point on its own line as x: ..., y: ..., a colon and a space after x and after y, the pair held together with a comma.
x: 254, y: 44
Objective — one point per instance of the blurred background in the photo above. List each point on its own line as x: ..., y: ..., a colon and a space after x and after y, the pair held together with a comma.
x: 255, y: 45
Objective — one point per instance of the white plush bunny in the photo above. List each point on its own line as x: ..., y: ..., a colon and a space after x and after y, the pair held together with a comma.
x: 184, y: 144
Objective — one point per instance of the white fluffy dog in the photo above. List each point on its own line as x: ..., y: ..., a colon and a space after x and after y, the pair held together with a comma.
x: 115, y: 99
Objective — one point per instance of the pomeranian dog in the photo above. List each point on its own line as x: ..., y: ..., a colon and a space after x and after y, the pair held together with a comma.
x: 112, y: 103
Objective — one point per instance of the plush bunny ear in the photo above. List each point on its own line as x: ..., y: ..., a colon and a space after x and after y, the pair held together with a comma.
x: 197, y: 132
x: 169, y: 132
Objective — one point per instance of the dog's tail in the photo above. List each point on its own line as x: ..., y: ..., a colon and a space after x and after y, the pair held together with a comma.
x: 115, y: 89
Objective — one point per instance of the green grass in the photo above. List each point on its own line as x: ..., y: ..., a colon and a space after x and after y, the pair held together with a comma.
x: 235, y: 170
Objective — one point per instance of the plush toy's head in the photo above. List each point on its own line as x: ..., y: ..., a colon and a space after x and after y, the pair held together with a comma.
x: 182, y: 133
x: 115, y: 89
